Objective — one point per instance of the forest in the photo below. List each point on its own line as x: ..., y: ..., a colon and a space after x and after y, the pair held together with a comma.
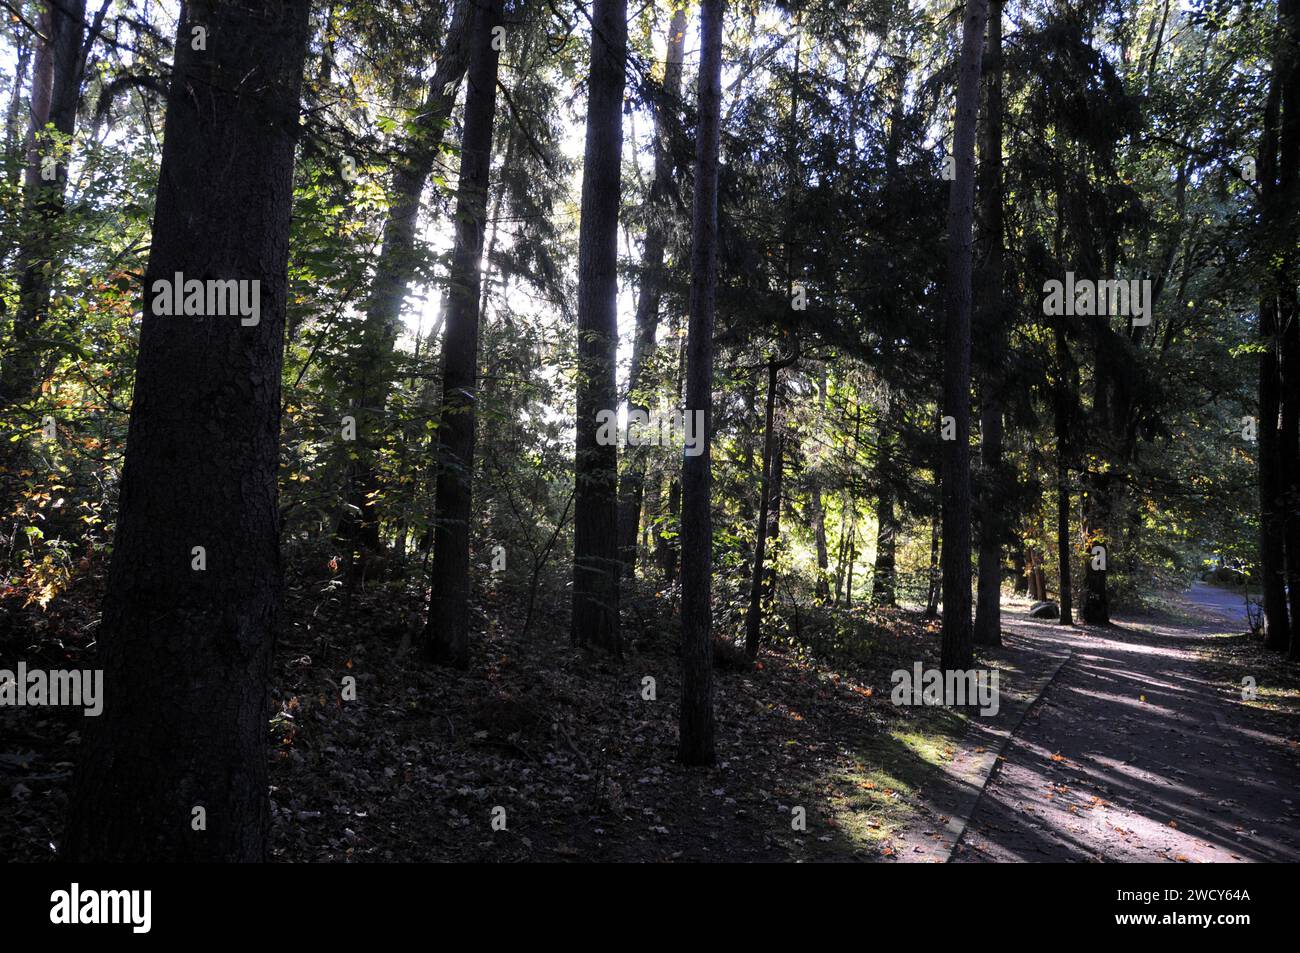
x: 668, y: 430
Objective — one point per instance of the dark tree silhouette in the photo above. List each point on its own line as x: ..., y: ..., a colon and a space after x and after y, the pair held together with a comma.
x: 185, y: 652
x: 696, y: 730
x: 955, y: 461
x: 447, y: 632
x: 992, y: 524
x: 1280, y: 325
x: 596, y: 567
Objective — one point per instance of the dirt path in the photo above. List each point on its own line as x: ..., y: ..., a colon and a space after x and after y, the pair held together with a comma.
x: 1217, y: 602
x: 1137, y: 753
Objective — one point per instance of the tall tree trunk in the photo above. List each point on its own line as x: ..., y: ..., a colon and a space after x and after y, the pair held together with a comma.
x: 653, y: 281
x: 1038, y: 557
x: 1098, y: 511
x: 57, y: 70
x: 883, y: 588
x: 932, y: 590
x: 817, y: 510
x: 884, y: 581
x: 754, y: 615
x: 749, y: 450
x: 1097, y: 515
x: 13, y: 127
x: 1288, y: 223
x: 956, y: 650
x: 186, y: 653
x: 842, y: 548
x: 849, y: 510
x: 696, y: 724
x: 596, y: 566
x: 818, y: 514
x: 1064, y: 399
x: 852, y: 560
x: 777, y: 482
x: 992, y: 527
x: 667, y: 543
x: 1063, y: 519
x: 1101, y: 506
x: 667, y: 548
x: 1272, y: 553
x: 447, y: 633
x: 1040, y: 574
x: 394, y: 269
x: 1290, y: 459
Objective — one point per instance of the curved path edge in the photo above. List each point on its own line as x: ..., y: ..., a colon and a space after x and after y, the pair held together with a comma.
x: 1027, y: 666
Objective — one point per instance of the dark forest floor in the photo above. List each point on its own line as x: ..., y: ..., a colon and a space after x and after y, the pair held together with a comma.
x: 581, y: 762
x: 583, y: 765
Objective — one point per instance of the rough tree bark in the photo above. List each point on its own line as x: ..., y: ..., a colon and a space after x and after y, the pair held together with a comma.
x: 933, y: 581
x: 1282, y: 237
x: 186, y: 653
x: 777, y: 477
x: 446, y: 637
x: 842, y: 547
x: 992, y: 527
x: 852, y: 561
x: 1097, y: 516
x: 1272, y: 555
x: 817, y: 518
x: 696, y: 726
x: 596, y: 566
x: 754, y: 614
x: 667, y: 541
x: 817, y: 510
x: 1063, y: 508
x: 1063, y: 399
x: 956, y: 649
x: 884, y: 589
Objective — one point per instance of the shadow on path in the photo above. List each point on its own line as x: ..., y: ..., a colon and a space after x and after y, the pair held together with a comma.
x: 1134, y: 754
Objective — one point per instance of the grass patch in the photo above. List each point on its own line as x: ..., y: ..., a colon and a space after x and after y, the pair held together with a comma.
x: 1284, y: 699
x: 876, y: 797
